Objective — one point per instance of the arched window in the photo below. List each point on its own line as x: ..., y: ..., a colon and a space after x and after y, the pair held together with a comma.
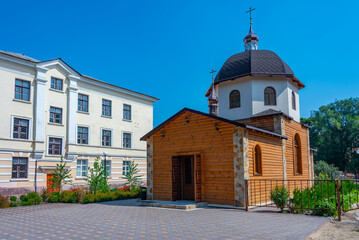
x: 270, y: 96
x: 297, y: 155
x: 293, y: 101
x: 234, y: 99
x: 257, y: 160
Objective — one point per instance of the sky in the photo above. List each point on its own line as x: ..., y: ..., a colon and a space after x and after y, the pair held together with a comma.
x: 166, y: 49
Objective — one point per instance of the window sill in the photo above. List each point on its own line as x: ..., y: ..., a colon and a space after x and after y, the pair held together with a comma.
x: 298, y: 174
x: 106, y: 146
x: 82, y: 144
x: 258, y: 174
x: 234, y: 107
x: 56, y: 90
x: 21, y: 139
x: 52, y: 155
x: 83, y: 112
x: 55, y: 124
x: 19, y: 180
x: 126, y: 120
x: 80, y: 178
x: 22, y: 101
x: 105, y: 116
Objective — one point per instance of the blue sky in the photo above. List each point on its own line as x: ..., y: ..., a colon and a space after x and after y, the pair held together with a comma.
x: 167, y: 48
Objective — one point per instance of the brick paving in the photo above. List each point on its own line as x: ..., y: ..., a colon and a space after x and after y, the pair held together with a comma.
x: 126, y: 220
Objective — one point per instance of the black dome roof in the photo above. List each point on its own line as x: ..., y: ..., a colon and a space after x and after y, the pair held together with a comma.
x: 254, y: 62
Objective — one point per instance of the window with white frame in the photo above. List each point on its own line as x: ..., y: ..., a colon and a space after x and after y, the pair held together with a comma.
x: 126, y: 140
x: 55, y: 146
x: 126, y: 112
x: 20, y: 128
x: 106, y: 107
x: 55, y: 115
x: 57, y: 83
x: 126, y: 167
x: 108, y: 167
x: 82, y: 135
x: 81, y: 168
x: 22, y: 90
x: 19, y: 167
x: 106, y: 137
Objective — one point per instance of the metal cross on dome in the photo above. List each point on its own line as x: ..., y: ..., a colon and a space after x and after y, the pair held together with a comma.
x: 250, y: 13
x: 212, y: 72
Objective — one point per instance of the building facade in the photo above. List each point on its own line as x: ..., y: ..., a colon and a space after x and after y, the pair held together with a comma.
x: 252, y: 134
x: 50, y: 110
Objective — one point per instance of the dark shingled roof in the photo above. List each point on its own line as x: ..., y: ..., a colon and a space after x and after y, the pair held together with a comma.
x: 254, y: 62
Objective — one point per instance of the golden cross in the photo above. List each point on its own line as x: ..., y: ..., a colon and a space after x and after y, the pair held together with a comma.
x: 212, y: 72
x: 250, y: 13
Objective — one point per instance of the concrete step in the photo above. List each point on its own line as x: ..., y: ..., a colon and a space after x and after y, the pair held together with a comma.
x: 184, y: 205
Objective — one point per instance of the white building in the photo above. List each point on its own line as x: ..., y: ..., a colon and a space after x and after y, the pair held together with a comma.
x: 48, y: 109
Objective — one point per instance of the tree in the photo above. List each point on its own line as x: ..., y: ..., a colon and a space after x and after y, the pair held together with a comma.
x: 97, y: 178
x: 328, y: 170
x: 61, y: 175
x: 131, y: 178
x: 335, y: 133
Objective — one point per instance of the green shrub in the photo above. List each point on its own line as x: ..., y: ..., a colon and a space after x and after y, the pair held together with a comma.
x: 54, y: 197
x: 34, y: 197
x: 4, y: 201
x: 13, y: 198
x: 24, y: 198
x: 45, y: 194
x: 69, y: 196
x: 280, y: 195
x: 13, y: 204
x: 88, y: 198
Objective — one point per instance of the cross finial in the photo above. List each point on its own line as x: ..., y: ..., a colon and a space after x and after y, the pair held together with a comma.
x: 212, y: 72
x: 250, y: 14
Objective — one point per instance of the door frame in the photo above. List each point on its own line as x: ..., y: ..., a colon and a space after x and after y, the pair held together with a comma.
x: 198, y: 176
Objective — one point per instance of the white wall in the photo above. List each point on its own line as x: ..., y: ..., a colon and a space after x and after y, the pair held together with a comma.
x: 252, y: 97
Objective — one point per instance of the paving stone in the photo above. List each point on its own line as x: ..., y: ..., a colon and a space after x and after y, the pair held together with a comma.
x: 126, y: 219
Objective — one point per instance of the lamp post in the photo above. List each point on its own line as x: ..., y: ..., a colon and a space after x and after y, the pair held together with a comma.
x: 105, y: 163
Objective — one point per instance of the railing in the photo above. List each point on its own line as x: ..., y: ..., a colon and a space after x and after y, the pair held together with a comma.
x: 321, y: 197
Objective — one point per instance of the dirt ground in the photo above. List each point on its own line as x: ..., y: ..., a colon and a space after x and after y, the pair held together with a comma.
x: 348, y: 228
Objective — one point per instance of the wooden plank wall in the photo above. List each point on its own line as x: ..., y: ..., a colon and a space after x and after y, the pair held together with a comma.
x: 272, y: 166
x: 292, y: 128
x: 266, y: 123
x: 197, y: 136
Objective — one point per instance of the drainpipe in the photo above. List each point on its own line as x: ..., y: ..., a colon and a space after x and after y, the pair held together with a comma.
x: 35, y: 175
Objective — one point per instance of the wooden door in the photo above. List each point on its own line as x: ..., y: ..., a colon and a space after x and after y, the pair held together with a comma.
x: 49, y: 180
x: 187, y: 178
x: 197, y: 178
x: 176, y: 179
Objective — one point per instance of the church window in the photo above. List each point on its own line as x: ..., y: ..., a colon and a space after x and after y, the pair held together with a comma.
x: 257, y: 160
x: 269, y: 96
x: 297, y: 155
x: 235, y: 99
x: 293, y: 101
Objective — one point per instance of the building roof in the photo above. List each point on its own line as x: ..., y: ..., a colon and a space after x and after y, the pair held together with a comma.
x: 114, y: 87
x: 238, y: 124
x: 254, y: 63
x: 19, y: 55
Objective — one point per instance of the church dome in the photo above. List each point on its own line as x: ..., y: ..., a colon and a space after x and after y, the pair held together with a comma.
x: 254, y: 62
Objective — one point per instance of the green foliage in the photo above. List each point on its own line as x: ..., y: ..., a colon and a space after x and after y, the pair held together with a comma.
x: 322, y: 168
x: 335, y: 133
x: 321, y: 198
x: 74, y: 195
x: 13, y: 204
x: 61, y: 174
x: 4, y: 201
x: 24, y: 198
x: 122, y: 193
x: 132, y: 179
x: 280, y: 195
x: 13, y: 198
x: 54, y: 197
x: 45, y: 193
x: 96, y: 178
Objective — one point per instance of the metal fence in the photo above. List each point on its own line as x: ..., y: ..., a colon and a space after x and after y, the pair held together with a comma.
x: 322, y: 197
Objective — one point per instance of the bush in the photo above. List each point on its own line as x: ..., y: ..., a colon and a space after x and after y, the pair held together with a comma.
x: 13, y: 204
x: 280, y: 195
x: 54, y: 197
x: 4, y: 201
x: 23, y: 198
x: 13, y: 198
x: 325, y: 169
x: 45, y: 193
x: 34, y: 197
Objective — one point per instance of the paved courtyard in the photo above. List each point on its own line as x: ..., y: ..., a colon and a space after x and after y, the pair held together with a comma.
x: 126, y: 220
